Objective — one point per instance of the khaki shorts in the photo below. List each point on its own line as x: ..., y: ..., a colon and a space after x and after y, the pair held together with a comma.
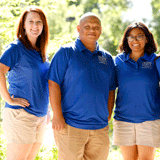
x: 129, y: 134
x: 80, y: 144
x: 22, y: 127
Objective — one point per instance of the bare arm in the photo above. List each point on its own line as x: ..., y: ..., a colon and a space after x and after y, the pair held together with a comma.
x: 4, y: 92
x: 111, y: 99
x: 58, y: 121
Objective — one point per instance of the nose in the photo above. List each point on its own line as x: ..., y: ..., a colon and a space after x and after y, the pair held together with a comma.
x: 35, y: 23
x: 135, y: 39
x: 92, y: 29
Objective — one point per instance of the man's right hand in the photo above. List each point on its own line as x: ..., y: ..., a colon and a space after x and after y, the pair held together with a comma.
x: 58, y: 123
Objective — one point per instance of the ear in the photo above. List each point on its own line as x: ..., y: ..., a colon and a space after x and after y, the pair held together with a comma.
x: 78, y: 28
x: 101, y: 31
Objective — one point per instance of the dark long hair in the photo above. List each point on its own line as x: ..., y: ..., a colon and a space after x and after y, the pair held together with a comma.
x: 42, y: 40
x: 151, y: 45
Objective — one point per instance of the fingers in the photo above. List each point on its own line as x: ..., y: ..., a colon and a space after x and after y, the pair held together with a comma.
x: 58, y: 127
x: 20, y: 102
x: 23, y: 102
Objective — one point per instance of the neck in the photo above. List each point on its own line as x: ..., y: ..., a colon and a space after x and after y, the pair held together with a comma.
x: 89, y: 45
x: 136, y: 55
x: 32, y: 41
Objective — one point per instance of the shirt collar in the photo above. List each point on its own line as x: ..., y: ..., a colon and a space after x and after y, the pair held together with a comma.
x: 126, y: 56
x: 82, y: 48
x: 145, y: 56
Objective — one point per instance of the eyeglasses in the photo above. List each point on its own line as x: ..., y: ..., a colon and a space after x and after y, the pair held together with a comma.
x: 138, y: 38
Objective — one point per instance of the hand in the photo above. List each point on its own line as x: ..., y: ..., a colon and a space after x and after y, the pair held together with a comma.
x: 19, y: 102
x: 58, y: 123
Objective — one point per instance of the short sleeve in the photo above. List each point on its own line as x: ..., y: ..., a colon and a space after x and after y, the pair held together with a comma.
x: 116, y: 60
x: 116, y: 70
x: 112, y: 85
x: 158, y: 65
x: 10, y: 56
x: 58, y: 66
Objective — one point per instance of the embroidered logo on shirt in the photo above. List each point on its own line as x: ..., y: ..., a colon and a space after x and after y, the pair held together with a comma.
x: 147, y: 65
x: 102, y: 60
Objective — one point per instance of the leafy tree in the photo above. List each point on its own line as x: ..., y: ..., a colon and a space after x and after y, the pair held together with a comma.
x: 110, y: 12
x: 61, y: 30
x: 155, y: 24
x: 9, y: 14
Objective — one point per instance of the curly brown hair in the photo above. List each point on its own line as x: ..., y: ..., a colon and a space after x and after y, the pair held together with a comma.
x: 150, y: 47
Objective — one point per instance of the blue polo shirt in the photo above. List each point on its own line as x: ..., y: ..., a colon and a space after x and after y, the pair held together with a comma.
x: 27, y: 77
x: 158, y: 65
x: 85, y: 79
x: 138, y: 97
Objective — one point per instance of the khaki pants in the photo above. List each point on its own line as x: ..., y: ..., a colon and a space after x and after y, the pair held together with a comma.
x: 80, y: 144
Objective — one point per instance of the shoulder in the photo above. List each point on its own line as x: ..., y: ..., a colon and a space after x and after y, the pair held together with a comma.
x: 105, y: 53
x: 11, y: 54
x: 153, y: 56
x: 14, y: 46
x: 16, y: 43
x: 119, y: 58
x: 66, y: 50
x: 68, y: 46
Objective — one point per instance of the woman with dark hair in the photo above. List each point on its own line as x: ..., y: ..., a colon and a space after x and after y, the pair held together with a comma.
x: 137, y: 113
x: 25, y: 112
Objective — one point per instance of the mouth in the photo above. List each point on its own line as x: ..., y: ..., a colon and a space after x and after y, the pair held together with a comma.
x: 135, y: 44
x: 92, y: 35
x: 35, y: 31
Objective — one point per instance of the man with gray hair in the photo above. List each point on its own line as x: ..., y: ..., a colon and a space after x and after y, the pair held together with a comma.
x: 81, y: 85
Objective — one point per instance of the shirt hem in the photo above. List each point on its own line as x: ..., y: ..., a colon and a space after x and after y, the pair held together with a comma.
x: 87, y: 127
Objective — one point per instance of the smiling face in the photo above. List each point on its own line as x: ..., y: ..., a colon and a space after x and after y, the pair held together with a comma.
x: 89, y: 29
x: 137, y: 45
x: 33, y: 26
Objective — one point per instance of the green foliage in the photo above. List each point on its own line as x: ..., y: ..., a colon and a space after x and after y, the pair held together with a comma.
x: 155, y: 23
x: 45, y: 154
x: 59, y: 41
x: 2, y: 144
x: 110, y: 12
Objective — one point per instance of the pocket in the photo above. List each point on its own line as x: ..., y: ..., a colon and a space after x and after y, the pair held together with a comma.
x: 16, y: 113
x: 64, y: 131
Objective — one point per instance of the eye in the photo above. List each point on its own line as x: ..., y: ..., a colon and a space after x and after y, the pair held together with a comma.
x: 97, y: 28
x: 39, y: 22
x: 131, y: 37
x: 86, y: 27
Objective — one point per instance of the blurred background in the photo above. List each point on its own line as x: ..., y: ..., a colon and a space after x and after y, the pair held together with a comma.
x: 63, y: 17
